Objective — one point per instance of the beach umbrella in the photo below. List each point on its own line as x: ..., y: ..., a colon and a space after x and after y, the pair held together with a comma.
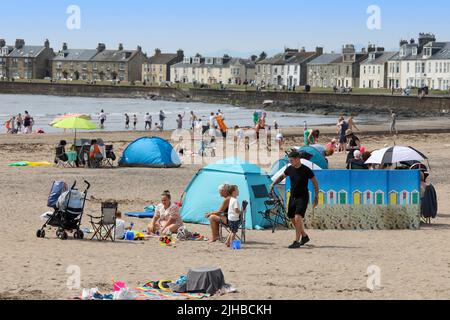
x: 305, y: 162
x: 70, y: 115
x: 395, y: 154
x: 75, y: 123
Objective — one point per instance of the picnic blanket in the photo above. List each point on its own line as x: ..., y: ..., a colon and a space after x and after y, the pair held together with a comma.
x: 149, y: 212
x: 140, y: 215
x: 147, y: 293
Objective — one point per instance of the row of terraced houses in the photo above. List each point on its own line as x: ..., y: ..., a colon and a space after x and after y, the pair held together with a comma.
x: 417, y: 63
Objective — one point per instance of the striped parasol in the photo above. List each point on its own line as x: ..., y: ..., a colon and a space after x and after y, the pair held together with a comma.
x: 395, y: 154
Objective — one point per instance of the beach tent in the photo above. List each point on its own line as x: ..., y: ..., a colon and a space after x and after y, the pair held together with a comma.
x: 316, y: 162
x: 202, y: 195
x: 278, y: 165
x: 150, y: 152
x: 317, y: 157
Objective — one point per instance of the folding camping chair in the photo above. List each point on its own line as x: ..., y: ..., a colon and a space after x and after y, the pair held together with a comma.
x: 275, y: 213
x: 105, y: 226
x: 225, y: 226
x: 110, y: 157
x: 61, y: 158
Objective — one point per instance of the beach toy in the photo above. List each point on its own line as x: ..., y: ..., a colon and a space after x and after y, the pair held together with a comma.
x: 129, y: 236
x: 363, y: 149
x: 119, y: 285
x: 236, y: 245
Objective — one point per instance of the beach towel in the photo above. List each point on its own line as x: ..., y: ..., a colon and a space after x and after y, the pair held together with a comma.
x: 140, y: 215
x: 147, y: 293
x: 30, y: 164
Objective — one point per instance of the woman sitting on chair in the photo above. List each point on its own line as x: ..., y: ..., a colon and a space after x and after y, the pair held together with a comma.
x: 167, y: 218
x: 220, y: 215
x: 61, y: 152
x: 95, y: 154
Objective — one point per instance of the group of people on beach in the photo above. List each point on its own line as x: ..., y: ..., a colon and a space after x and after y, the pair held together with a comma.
x: 148, y: 122
x: 20, y: 124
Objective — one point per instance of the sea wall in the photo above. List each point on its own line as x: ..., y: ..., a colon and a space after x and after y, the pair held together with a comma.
x: 322, y: 103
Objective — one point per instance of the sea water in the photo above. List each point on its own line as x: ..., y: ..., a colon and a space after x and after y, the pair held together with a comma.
x: 44, y: 109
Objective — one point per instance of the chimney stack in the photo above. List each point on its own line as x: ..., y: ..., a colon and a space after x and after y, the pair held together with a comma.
x: 303, y: 49
x: 101, y: 47
x: 19, y: 43
x: 157, y: 52
x: 2, y: 43
x: 120, y: 47
x: 319, y: 51
x: 47, y: 43
x: 180, y: 53
x: 65, y: 46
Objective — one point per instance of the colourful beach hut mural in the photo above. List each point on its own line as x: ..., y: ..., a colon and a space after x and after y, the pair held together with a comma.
x: 386, y: 199
x: 357, y: 198
x: 368, y: 197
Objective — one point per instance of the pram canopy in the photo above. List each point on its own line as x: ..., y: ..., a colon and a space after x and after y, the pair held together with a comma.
x: 58, y: 188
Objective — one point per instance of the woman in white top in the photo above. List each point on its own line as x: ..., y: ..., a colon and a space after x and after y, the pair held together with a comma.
x: 167, y: 217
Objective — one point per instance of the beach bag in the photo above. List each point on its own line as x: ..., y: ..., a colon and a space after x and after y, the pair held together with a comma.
x: 71, y: 201
x: 58, y: 188
x: 183, y: 234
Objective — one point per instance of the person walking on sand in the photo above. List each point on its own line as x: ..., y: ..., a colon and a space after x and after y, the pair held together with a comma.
x: 26, y: 122
x: 127, y: 121
x: 193, y: 119
x: 342, y: 128
x: 102, y: 118
x: 19, y: 122
x: 393, y: 122
x: 351, y: 123
x: 298, y: 202
x: 148, y: 121
x: 162, y: 117
x: 134, y: 122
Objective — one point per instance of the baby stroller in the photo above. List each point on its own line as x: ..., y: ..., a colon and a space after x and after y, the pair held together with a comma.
x: 68, y: 206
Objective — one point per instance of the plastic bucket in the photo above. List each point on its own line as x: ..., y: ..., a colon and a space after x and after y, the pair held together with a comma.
x: 119, y: 285
x: 236, y: 244
x: 129, y: 236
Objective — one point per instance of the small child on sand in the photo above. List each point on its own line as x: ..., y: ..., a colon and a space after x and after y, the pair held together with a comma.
x: 234, y: 215
x: 120, y: 226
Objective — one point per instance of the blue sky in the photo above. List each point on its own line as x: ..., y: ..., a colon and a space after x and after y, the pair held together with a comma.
x: 234, y: 26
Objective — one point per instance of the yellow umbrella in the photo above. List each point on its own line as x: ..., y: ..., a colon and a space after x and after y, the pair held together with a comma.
x: 75, y: 123
x: 70, y: 115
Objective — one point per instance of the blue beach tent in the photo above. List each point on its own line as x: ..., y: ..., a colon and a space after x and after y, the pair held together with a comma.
x: 202, y: 195
x: 317, y: 158
x: 150, y: 152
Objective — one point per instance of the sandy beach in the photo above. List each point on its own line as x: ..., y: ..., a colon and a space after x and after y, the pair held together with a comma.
x: 414, y: 264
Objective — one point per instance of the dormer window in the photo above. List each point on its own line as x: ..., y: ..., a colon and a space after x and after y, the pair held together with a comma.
x: 414, y: 52
x: 197, y: 60
x: 428, y: 52
x: 187, y: 60
x: 219, y: 61
x: 209, y: 60
x: 402, y: 52
x: 372, y: 56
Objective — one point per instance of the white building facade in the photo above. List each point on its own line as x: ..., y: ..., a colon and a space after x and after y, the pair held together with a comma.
x: 426, y: 63
x: 374, y: 70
